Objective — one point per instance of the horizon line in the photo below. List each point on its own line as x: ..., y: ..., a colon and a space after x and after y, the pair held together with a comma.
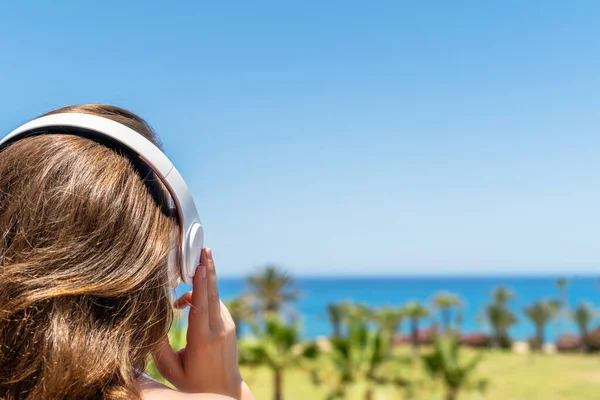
x: 531, y: 275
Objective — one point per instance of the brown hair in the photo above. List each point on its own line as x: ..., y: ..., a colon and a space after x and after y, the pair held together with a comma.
x: 84, y: 248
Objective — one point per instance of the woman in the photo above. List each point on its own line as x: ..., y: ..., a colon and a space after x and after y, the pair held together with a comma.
x: 85, y: 275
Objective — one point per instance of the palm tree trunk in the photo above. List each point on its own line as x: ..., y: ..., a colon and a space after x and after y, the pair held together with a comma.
x: 278, y: 387
x: 369, y: 393
x: 414, y: 334
x: 504, y: 338
x: 392, y: 337
x: 452, y: 394
x: 496, y: 339
x: 337, y: 329
x: 539, y: 334
x: 271, y: 307
x: 446, y: 318
x: 584, y: 340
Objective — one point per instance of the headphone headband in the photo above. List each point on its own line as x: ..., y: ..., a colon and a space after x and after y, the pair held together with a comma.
x: 192, y: 233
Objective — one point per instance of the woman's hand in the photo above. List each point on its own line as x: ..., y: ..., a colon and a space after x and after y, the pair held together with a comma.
x: 209, y: 362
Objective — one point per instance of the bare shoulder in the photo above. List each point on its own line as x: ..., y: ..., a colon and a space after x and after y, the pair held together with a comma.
x: 153, y: 390
x: 169, y: 394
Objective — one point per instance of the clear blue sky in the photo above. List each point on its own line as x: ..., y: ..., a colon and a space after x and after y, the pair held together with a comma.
x: 340, y: 137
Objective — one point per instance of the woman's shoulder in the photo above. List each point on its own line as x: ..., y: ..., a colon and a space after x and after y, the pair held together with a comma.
x: 154, y: 390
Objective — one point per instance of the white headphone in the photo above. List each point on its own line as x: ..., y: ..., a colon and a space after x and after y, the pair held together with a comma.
x: 192, y: 233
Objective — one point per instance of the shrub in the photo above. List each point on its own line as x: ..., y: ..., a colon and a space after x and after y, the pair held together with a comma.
x: 568, y: 344
x: 592, y: 341
x: 505, y: 342
x: 424, y: 337
x: 476, y: 340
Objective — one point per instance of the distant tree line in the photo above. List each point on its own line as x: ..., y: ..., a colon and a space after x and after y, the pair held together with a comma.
x: 361, y: 349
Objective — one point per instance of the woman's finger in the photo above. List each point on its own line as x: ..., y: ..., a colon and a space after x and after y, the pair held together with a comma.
x: 226, y: 315
x: 184, y: 301
x: 198, y: 325
x: 168, y: 363
x: 214, y: 306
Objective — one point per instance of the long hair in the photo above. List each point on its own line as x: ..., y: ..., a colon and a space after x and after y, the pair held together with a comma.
x: 84, y: 249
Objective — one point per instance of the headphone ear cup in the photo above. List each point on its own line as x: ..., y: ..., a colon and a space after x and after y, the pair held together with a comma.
x: 195, y: 244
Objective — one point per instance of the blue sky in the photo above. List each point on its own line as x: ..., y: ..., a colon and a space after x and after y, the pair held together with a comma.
x: 345, y: 137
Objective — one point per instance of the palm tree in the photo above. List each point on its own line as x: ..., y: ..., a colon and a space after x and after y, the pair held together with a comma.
x: 359, y: 312
x: 540, y: 313
x: 388, y: 319
x: 499, y: 317
x: 339, y: 313
x: 272, y: 287
x: 445, y: 301
x: 240, y: 311
x: 583, y: 315
x: 415, y: 312
x: 562, y: 284
x: 335, y: 312
x: 502, y: 295
x: 444, y: 363
x: 459, y: 319
x: 278, y: 347
x: 360, y: 357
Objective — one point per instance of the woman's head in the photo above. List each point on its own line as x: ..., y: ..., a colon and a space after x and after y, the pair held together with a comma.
x: 84, y: 248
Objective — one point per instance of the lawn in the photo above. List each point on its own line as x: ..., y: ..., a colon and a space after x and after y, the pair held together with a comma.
x: 510, y: 376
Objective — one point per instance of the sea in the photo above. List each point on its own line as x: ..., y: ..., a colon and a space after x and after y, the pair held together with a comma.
x: 475, y: 293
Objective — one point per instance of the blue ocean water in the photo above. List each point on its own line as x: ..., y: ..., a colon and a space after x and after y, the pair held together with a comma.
x: 475, y: 293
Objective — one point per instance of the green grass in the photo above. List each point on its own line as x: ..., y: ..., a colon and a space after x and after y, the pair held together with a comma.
x: 511, y: 377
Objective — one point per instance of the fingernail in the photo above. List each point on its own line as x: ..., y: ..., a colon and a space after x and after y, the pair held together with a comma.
x: 209, y: 253
x: 203, y: 271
